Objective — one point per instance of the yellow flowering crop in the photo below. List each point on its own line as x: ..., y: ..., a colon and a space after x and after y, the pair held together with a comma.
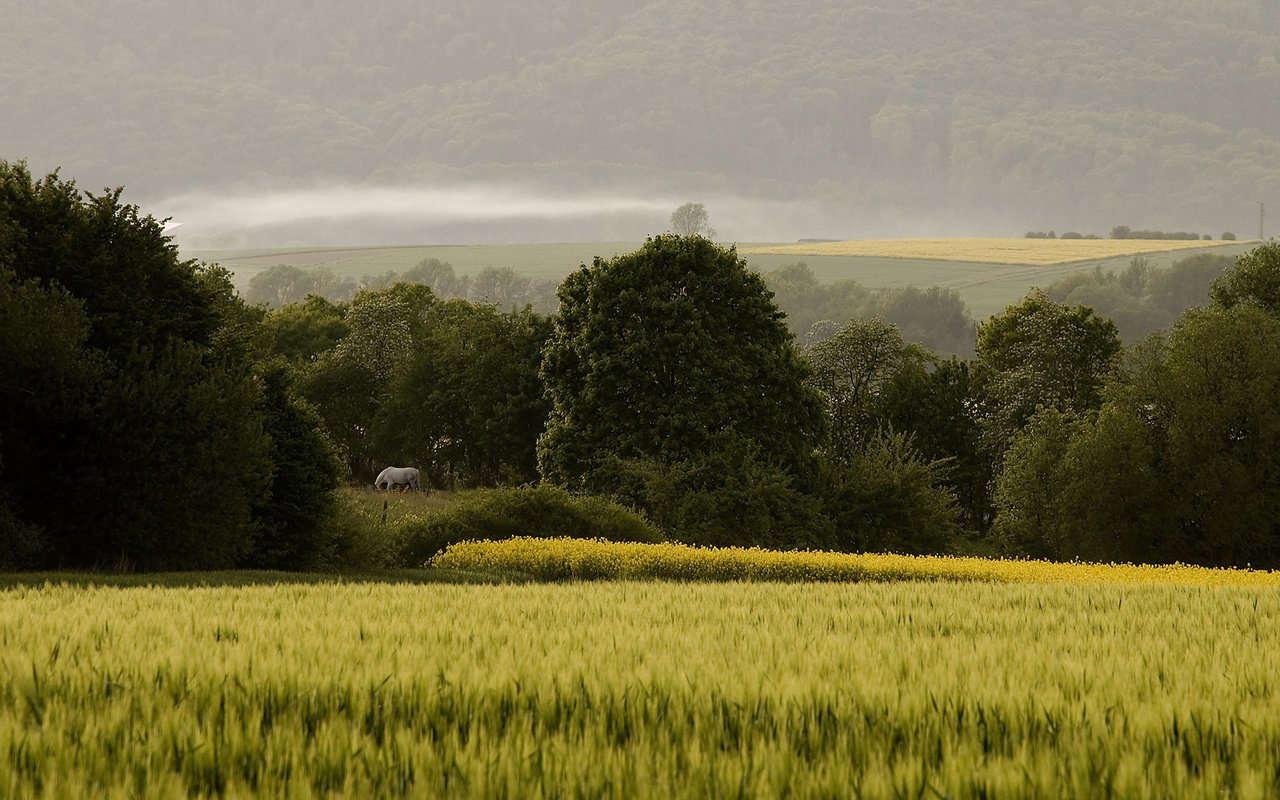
x: 554, y: 559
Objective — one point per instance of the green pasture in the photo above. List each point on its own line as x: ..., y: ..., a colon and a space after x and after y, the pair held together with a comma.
x: 985, y: 288
x: 378, y: 688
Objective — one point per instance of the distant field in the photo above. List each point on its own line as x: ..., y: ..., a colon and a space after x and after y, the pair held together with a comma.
x: 535, y: 260
x: 985, y: 286
x: 1028, y: 252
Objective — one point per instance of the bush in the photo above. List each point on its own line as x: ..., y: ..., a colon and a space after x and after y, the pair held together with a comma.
x: 729, y: 496
x: 523, y: 511
x: 891, y: 499
x: 355, y: 538
x: 20, y: 543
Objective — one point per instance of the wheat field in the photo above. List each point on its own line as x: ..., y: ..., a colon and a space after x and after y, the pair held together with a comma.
x: 640, y: 689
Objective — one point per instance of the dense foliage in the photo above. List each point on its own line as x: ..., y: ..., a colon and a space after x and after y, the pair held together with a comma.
x: 658, y: 352
x: 504, y: 512
x: 171, y: 426
x: 136, y: 429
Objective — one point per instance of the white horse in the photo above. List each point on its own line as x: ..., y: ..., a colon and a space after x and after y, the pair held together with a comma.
x: 397, y: 476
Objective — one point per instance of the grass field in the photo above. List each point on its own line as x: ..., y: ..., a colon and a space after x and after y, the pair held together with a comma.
x: 1024, y: 252
x: 639, y: 689
x: 985, y: 286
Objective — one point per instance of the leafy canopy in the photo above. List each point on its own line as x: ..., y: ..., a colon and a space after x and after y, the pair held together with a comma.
x: 656, y: 352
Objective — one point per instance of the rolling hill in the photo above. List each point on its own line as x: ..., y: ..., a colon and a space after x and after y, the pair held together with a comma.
x: 854, y: 119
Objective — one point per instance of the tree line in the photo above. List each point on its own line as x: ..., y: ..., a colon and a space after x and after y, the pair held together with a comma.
x: 152, y: 419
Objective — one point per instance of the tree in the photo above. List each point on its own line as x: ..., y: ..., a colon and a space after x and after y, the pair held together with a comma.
x: 889, y: 498
x: 691, y: 219
x: 284, y: 284
x: 852, y: 370
x: 132, y: 427
x: 656, y: 352
x: 502, y: 287
x: 440, y: 276
x: 47, y: 382
x: 1255, y: 280
x: 468, y: 405
x: 303, y: 475
x: 301, y: 332
x: 1028, y: 491
x: 1041, y: 353
x: 934, y: 405
x: 1179, y: 464
x: 349, y: 384
x: 729, y: 495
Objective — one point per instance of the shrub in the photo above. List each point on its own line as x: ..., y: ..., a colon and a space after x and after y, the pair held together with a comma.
x: 523, y: 511
x: 891, y: 499
x: 20, y: 543
x: 728, y: 496
x: 355, y: 538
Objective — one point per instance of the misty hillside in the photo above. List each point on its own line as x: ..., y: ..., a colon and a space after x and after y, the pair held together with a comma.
x: 905, y: 117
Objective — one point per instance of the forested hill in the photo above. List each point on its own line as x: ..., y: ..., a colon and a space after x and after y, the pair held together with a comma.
x: 992, y: 116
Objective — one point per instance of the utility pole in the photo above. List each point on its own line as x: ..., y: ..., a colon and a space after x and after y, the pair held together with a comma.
x: 1261, y: 214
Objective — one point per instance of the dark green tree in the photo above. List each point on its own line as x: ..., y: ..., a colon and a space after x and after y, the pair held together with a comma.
x: 730, y: 495
x: 468, y: 406
x: 1179, y: 464
x: 1029, y: 489
x: 1041, y: 353
x: 852, y: 369
x: 47, y: 382
x: 890, y: 498
x: 301, y: 332
x: 934, y: 405
x: 300, y: 482
x: 656, y: 352
x: 132, y: 428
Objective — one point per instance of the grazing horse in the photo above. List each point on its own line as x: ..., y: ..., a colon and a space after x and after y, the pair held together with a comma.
x: 397, y: 476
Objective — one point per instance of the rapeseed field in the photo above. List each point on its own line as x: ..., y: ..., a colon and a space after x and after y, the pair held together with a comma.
x: 556, y: 559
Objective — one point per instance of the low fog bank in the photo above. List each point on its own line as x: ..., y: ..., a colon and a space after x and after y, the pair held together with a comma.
x: 345, y: 215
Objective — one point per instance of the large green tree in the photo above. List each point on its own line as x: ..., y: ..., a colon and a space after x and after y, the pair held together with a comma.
x: 1255, y: 280
x: 854, y: 369
x: 1040, y: 353
x: 658, y: 351
x: 1179, y: 464
x: 132, y: 429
